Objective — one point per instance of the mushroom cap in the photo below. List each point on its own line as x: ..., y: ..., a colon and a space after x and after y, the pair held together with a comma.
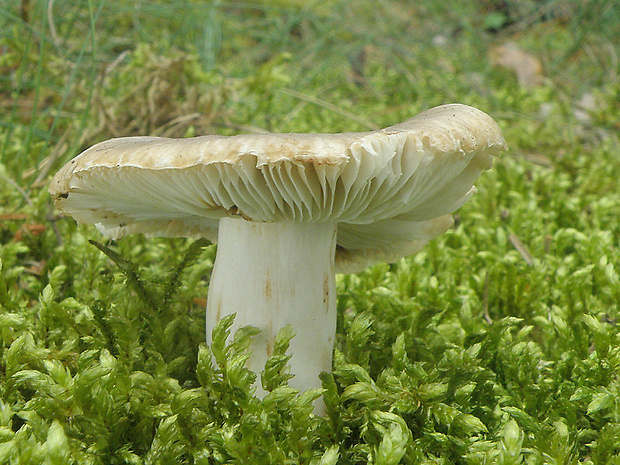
x: 389, y: 191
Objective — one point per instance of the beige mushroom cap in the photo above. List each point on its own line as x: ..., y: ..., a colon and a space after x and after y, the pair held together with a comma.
x: 389, y: 191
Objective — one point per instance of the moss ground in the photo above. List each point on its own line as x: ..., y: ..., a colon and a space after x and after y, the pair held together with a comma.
x: 499, y: 343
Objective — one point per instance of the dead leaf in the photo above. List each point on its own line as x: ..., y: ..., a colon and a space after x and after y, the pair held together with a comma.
x: 24, y: 10
x: 32, y: 229
x: 584, y: 107
x: 35, y: 268
x: 527, y: 67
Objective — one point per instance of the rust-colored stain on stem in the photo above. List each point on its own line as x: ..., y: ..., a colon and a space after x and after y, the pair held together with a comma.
x: 218, y: 311
x: 268, y: 288
x: 326, y: 291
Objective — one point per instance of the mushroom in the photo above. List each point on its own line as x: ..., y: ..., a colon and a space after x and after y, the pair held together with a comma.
x: 287, y: 211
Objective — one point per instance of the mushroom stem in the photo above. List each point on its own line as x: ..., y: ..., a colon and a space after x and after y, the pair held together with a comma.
x: 272, y: 275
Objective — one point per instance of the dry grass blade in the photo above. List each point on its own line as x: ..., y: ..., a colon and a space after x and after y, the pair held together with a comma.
x: 539, y: 159
x: 330, y: 106
x: 48, y: 162
x: 13, y: 216
x: 17, y: 187
x: 521, y: 248
x: 161, y: 99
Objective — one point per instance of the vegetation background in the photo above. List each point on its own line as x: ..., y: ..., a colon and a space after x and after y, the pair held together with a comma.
x: 499, y: 343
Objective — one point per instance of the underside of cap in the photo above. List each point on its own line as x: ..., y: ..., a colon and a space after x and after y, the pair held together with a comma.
x: 389, y: 191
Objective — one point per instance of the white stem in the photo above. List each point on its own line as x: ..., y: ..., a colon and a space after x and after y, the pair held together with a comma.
x: 274, y: 274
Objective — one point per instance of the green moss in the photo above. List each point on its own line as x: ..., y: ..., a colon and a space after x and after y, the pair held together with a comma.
x: 498, y: 343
